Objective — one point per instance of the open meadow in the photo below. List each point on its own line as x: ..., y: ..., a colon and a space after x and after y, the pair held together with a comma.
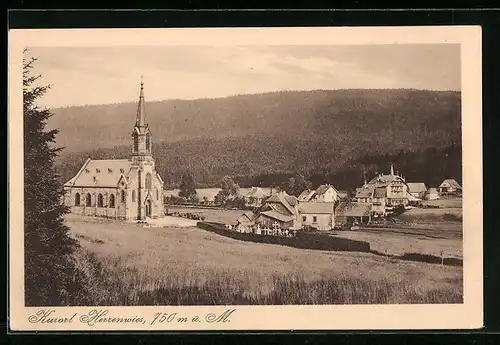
x: 129, y: 264
x: 429, y: 231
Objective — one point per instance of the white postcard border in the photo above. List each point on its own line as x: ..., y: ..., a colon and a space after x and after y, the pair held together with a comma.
x: 468, y: 315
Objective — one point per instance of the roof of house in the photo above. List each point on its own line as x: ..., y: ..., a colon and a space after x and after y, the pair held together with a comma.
x: 380, y: 192
x: 324, y: 188
x: 450, y: 182
x: 278, y: 216
x: 287, y: 201
x: 410, y: 197
x: 316, y: 207
x: 246, y: 217
x: 343, y: 193
x: 255, y: 192
x: 292, y: 200
x: 306, y: 195
x: 385, y: 179
x: 364, y: 192
x: 353, y: 209
x: 101, y: 173
x: 416, y: 187
x: 431, y: 191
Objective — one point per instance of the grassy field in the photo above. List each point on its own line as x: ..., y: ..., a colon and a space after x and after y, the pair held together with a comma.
x: 399, y: 244
x: 450, y: 202
x: 127, y: 264
x: 418, y: 230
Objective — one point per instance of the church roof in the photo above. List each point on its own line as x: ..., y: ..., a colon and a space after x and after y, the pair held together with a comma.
x: 101, y: 173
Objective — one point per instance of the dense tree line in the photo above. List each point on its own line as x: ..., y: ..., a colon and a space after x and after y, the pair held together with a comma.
x: 338, y: 136
x: 338, y: 115
x: 430, y: 165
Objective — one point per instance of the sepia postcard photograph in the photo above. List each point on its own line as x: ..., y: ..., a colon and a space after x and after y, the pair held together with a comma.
x: 245, y: 179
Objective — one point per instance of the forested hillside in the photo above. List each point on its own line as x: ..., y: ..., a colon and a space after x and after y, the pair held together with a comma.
x: 319, y: 133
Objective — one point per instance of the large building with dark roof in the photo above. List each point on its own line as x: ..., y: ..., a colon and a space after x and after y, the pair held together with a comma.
x: 395, y: 186
x: 120, y: 188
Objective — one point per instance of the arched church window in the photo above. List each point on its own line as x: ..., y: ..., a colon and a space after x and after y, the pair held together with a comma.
x: 100, y: 200
x: 77, y: 199
x: 123, y: 196
x: 148, y: 142
x: 133, y: 196
x: 148, y: 181
x: 88, y: 200
x: 112, y: 200
x: 136, y: 142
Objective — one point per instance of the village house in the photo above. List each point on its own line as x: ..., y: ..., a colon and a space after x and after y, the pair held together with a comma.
x: 431, y: 194
x: 317, y: 215
x: 120, y: 188
x: 378, y: 202
x: 279, y: 210
x: 396, y: 189
x: 365, y: 193
x: 352, y: 212
x: 306, y: 195
x: 417, y: 189
x: 343, y: 194
x: 254, y: 197
x: 449, y: 187
x: 324, y: 193
x: 384, y: 193
x: 245, y: 223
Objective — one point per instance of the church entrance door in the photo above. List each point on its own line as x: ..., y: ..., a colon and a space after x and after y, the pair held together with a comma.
x: 148, y: 208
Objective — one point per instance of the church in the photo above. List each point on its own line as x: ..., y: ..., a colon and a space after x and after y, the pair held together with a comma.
x: 129, y: 189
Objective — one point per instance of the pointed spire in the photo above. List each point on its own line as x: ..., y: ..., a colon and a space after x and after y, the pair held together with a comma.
x: 392, y: 170
x: 141, y: 113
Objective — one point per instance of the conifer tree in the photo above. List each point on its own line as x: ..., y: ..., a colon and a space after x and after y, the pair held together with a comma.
x: 187, y: 186
x: 51, y: 277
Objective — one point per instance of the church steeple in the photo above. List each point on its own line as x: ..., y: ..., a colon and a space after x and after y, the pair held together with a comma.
x: 141, y: 133
x: 141, y: 113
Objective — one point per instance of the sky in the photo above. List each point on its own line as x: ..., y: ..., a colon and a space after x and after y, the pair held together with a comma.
x: 104, y: 75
